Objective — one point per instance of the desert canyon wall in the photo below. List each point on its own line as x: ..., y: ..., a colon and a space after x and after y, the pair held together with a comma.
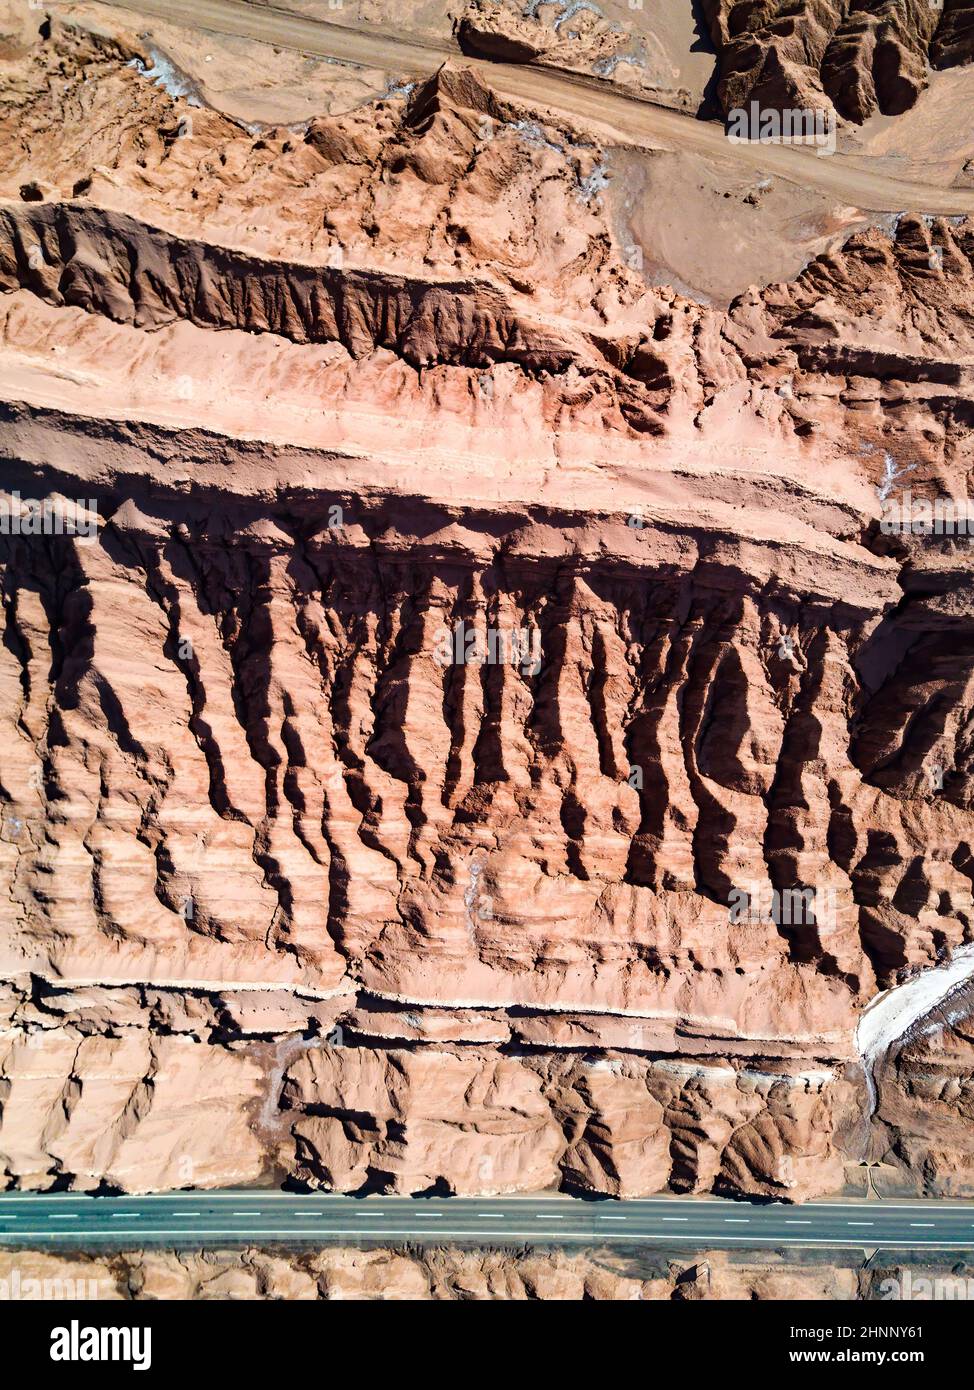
x: 458, y: 627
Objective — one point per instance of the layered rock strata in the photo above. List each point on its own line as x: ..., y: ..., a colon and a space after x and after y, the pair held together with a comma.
x: 458, y: 628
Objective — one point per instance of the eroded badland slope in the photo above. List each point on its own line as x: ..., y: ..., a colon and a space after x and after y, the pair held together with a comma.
x: 466, y: 622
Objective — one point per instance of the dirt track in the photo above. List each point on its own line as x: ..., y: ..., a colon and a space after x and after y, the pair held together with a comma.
x: 620, y: 118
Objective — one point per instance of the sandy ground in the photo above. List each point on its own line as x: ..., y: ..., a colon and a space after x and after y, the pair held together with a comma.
x: 253, y: 83
x: 766, y: 230
x: 932, y: 142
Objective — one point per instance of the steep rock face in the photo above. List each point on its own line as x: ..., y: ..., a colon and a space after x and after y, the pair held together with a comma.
x: 492, y: 30
x: 330, y: 699
x: 465, y: 628
x: 75, y: 255
x: 954, y: 40
x: 440, y: 1274
x: 878, y: 59
x: 772, y: 52
x: 579, y: 38
x: 926, y: 1102
x: 858, y: 55
x: 620, y: 1125
x: 259, y: 772
x: 134, y: 1112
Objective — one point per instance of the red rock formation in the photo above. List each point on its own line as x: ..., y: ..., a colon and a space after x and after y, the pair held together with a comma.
x: 860, y: 55
x: 440, y: 1274
x: 290, y: 886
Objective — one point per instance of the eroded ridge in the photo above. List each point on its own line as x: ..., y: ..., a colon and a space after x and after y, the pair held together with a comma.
x: 483, y: 735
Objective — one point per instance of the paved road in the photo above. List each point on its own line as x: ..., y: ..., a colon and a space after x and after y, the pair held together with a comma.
x: 231, y: 1218
x: 623, y: 118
